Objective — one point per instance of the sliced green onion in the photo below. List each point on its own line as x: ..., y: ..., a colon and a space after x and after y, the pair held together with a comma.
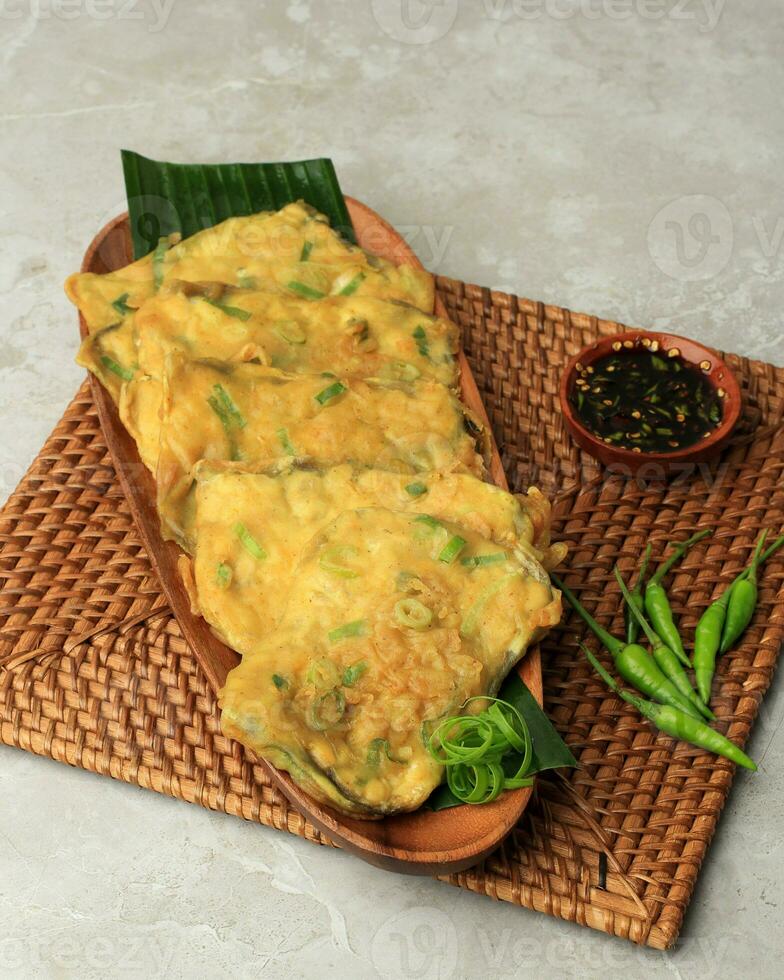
x: 327, y: 710
x: 233, y: 311
x: 333, y: 560
x: 352, y: 286
x: 452, y: 549
x: 223, y: 575
x: 157, y: 261
x: 331, y: 391
x: 304, y: 290
x: 121, y: 305
x: 116, y: 368
x: 290, y: 331
x: 413, y: 614
x: 352, y: 673
x: 416, y: 489
x: 428, y: 520
x: 280, y: 682
x: 474, y: 561
x: 221, y: 402
x: 283, y: 438
x: 376, y: 747
x: 244, y: 281
x: 354, y: 628
x: 307, y: 248
x: 403, y: 580
x: 248, y: 542
x: 374, y: 751
x: 399, y: 371
x: 323, y: 674
x: 420, y: 337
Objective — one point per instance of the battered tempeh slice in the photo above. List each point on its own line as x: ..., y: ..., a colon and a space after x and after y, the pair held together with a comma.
x: 353, y: 336
x: 258, y: 523
x: 293, y: 252
x: 256, y: 415
x: 344, y: 691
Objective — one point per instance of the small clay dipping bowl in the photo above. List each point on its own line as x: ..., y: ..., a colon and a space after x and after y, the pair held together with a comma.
x: 654, y: 464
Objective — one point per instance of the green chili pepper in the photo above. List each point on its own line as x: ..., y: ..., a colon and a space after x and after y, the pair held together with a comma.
x: 742, y: 601
x: 668, y: 663
x: 657, y: 605
x: 673, y: 722
x: 632, y: 661
x: 629, y: 619
x: 707, y: 635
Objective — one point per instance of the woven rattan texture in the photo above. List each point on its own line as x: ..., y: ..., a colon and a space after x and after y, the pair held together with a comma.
x: 94, y: 671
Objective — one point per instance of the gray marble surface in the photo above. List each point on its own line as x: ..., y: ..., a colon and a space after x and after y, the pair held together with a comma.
x: 615, y: 156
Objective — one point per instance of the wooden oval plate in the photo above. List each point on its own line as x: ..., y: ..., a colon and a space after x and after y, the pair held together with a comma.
x: 424, y: 842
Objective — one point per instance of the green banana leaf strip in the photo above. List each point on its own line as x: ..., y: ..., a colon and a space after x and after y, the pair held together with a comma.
x: 189, y: 197
x: 549, y: 749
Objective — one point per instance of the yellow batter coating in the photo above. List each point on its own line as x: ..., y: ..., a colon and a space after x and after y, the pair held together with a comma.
x: 297, y: 403
x: 345, y: 690
x: 293, y: 252
x: 355, y: 336
x: 240, y: 515
x: 255, y: 415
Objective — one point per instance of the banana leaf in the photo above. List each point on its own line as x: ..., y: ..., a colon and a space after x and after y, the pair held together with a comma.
x: 188, y: 197
x: 549, y: 749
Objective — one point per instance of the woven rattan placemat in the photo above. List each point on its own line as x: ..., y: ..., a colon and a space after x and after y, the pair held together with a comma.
x: 95, y: 672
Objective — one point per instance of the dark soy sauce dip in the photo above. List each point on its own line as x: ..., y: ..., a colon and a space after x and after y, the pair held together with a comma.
x: 645, y: 399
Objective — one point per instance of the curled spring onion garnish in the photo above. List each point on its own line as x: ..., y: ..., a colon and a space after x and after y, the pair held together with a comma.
x: 413, y: 614
x: 484, y: 754
x: 307, y: 248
